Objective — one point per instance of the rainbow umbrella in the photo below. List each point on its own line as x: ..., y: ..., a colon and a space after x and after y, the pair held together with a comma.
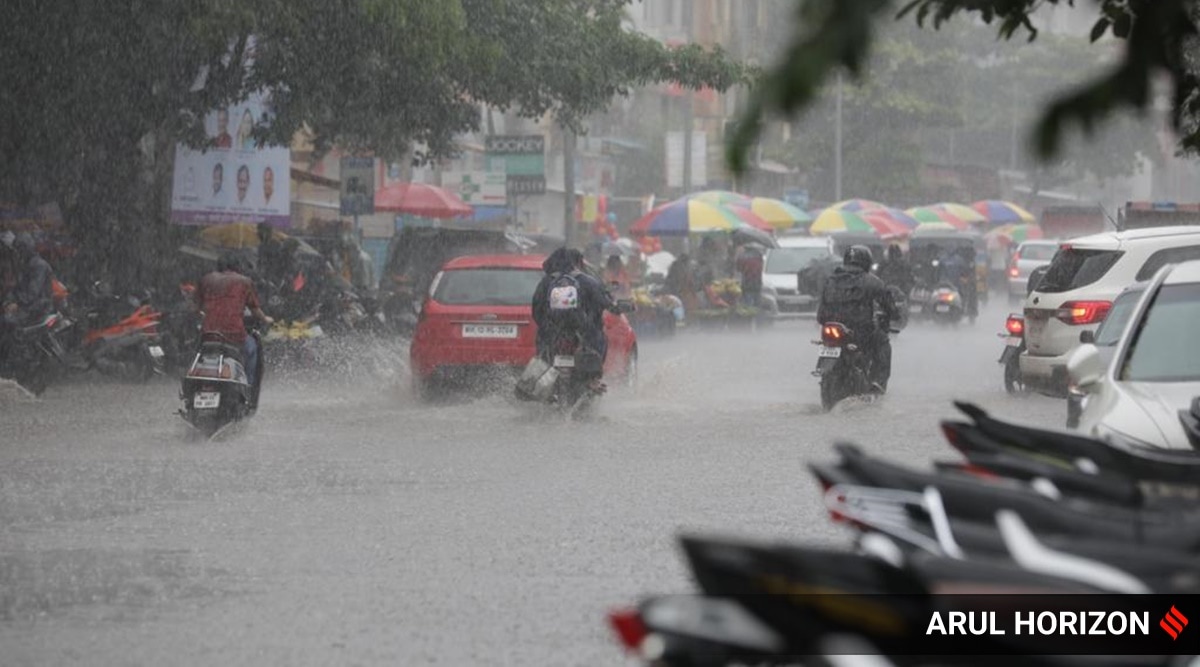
x: 749, y: 218
x: 832, y: 221
x: 778, y: 214
x: 964, y: 213
x: 1002, y: 212
x: 718, y: 197
x: 682, y: 217
x: 857, y: 205
x: 885, y: 224
x: 927, y: 215
x: 1015, y: 234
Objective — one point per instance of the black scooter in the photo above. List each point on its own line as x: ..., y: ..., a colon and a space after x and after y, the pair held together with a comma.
x: 216, y: 390
x: 844, y: 363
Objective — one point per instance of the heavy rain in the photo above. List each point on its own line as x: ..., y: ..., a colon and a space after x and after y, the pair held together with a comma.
x: 393, y: 332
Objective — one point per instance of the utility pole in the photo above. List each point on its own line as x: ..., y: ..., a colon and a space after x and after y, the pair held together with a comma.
x: 689, y: 103
x: 837, y: 141
x: 568, y: 186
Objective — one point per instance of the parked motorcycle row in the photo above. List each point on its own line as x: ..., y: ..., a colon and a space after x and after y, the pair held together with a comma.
x: 1023, y: 512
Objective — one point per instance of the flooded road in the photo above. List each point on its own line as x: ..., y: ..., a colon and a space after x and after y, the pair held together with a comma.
x: 348, y: 524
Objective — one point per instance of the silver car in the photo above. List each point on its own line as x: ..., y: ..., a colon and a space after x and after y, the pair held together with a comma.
x: 1136, y: 399
x: 1029, y: 256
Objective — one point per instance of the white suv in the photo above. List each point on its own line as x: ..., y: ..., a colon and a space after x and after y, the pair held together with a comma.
x: 783, y: 265
x: 1079, y: 287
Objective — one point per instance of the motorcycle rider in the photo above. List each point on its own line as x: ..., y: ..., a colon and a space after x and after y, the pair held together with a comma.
x: 32, y: 295
x: 895, y: 271
x: 565, y: 268
x: 223, y: 296
x: 851, y: 296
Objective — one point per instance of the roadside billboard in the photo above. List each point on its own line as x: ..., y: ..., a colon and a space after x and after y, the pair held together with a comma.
x: 235, y: 180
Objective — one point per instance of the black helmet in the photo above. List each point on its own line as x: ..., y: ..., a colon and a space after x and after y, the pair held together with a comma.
x: 860, y: 256
x: 229, y: 261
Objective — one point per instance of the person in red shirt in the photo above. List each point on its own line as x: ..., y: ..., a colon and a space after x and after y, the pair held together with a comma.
x: 223, y: 297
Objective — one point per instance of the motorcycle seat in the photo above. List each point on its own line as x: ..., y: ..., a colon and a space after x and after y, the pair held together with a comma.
x: 1138, y: 463
x: 970, y: 499
x: 217, y: 347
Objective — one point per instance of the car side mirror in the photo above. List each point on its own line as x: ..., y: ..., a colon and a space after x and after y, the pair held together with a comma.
x: 1085, y: 370
x: 1087, y: 337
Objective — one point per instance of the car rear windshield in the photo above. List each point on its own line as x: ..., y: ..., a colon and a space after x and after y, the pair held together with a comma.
x: 1037, y: 253
x: 1114, y: 323
x: 1073, y: 268
x: 487, y: 287
x: 792, y: 260
x: 1163, y: 349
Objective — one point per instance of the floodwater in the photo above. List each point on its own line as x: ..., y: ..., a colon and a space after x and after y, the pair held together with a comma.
x: 348, y: 524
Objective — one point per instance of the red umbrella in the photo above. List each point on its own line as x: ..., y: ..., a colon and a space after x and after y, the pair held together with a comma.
x: 426, y: 201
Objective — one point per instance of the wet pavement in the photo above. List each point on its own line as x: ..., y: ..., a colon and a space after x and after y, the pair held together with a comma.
x: 348, y: 524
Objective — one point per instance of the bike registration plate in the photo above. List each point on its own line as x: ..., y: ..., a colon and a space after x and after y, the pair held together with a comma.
x: 1013, y: 341
x: 156, y: 352
x: 833, y: 352
x: 564, y: 361
x: 943, y: 308
x: 205, y: 400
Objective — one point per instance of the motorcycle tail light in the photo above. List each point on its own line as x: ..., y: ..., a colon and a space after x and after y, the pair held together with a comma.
x: 948, y: 297
x: 629, y: 628
x: 1083, y: 312
x: 1015, y: 325
x: 1014, y: 272
x: 833, y: 335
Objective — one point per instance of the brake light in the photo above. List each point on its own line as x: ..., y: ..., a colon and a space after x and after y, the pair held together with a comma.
x: 1014, y: 272
x: 629, y: 628
x: 832, y: 335
x: 1015, y: 325
x: 1083, y: 312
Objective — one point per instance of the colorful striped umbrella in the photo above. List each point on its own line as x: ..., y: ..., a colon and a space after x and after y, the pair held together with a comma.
x: 778, y: 214
x: 1002, y: 212
x: 896, y: 215
x: 964, y: 213
x: 832, y: 221
x: 1015, y: 234
x: 886, y: 225
x: 682, y: 217
x: 749, y: 218
x: 857, y: 205
x: 718, y: 197
x: 926, y: 215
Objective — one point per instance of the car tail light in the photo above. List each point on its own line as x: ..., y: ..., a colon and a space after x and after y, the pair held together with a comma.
x: 1083, y: 312
x: 629, y: 628
x: 1014, y: 272
x: 833, y: 335
x: 1015, y: 325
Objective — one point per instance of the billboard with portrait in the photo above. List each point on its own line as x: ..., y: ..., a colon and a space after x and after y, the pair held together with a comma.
x: 236, y: 179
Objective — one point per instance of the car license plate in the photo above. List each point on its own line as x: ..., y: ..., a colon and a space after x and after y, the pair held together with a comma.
x: 564, y: 361
x: 1014, y: 341
x: 833, y: 352
x: 943, y: 308
x: 206, y: 399
x: 156, y: 352
x: 489, y: 331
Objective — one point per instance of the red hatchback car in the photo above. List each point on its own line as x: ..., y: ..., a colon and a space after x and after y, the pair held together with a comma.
x: 477, y: 317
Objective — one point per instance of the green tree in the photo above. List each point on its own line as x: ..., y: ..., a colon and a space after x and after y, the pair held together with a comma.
x: 95, y: 94
x: 1158, y: 34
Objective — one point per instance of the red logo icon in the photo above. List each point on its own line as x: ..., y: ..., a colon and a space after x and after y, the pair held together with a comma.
x: 1173, y: 623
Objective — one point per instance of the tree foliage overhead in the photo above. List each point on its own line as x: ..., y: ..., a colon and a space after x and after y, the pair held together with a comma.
x: 831, y: 34
x: 94, y: 94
